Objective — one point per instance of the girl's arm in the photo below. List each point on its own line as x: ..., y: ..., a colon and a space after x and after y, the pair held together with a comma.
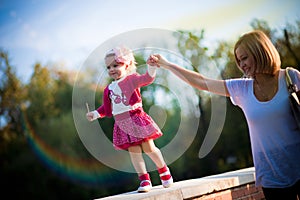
x: 194, y: 79
x: 104, y: 110
x: 144, y: 79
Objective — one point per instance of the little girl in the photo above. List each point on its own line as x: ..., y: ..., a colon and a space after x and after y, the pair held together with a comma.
x: 134, y: 130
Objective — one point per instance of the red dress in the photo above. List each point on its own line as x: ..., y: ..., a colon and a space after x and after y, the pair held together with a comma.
x: 134, y: 126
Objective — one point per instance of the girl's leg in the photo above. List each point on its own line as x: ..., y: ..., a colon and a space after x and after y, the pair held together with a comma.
x: 138, y: 162
x: 137, y: 159
x: 155, y: 154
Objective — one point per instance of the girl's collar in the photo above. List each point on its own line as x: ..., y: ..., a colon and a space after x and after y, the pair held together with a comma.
x: 121, y: 79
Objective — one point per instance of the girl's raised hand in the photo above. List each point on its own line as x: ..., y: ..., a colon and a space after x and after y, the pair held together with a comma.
x: 152, y: 61
x: 159, y: 60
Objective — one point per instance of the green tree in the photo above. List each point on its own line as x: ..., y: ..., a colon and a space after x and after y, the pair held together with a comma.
x: 41, y: 90
x: 11, y: 100
x: 286, y: 40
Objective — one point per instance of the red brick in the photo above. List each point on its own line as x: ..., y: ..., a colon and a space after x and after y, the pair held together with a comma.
x: 244, y: 192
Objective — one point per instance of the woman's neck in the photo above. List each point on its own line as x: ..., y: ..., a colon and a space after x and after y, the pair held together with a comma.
x: 265, y: 86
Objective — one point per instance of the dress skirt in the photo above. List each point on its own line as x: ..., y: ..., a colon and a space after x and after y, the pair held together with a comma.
x: 133, y: 128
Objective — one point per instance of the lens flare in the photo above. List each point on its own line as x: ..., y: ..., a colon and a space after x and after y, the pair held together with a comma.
x: 82, y: 171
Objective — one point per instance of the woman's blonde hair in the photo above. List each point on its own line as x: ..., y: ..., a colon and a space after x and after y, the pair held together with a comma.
x: 265, y: 54
x: 125, y: 56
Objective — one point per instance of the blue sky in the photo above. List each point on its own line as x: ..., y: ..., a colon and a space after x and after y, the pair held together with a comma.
x: 66, y: 32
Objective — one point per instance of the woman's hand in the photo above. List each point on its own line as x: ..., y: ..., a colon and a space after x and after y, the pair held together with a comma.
x: 158, y: 60
x: 152, y: 61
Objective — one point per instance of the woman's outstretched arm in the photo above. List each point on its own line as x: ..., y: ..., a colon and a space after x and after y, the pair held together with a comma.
x: 193, y: 78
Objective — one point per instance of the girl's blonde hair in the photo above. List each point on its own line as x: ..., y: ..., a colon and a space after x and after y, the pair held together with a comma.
x: 265, y: 54
x: 125, y: 56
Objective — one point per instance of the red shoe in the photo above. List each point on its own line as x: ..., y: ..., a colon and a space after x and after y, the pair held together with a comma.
x: 145, y: 185
x: 165, y: 177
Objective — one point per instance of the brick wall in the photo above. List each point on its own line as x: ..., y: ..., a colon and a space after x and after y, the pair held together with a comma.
x: 233, y: 185
x: 242, y: 192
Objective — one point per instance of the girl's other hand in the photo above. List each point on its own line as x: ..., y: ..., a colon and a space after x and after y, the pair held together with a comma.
x: 91, y: 116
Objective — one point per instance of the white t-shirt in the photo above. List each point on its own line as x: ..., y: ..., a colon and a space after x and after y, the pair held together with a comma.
x: 275, y: 138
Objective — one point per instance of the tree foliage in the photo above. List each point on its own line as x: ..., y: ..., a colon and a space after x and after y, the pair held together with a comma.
x: 12, y: 97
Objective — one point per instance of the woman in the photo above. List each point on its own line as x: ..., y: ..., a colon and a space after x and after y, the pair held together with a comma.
x: 263, y: 97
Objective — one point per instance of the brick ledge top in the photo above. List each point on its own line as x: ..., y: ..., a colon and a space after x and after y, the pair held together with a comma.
x: 193, y: 187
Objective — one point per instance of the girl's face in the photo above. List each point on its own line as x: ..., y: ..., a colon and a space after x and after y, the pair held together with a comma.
x: 245, y: 61
x: 115, y: 70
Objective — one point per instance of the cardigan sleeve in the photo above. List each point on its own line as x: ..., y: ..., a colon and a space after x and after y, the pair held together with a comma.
x: 105, y: 109
x: 143, y: 80
x: 152, y: 70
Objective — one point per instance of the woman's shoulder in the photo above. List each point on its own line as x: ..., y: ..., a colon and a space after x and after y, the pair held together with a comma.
x: 240, y: 81
x: 291, y: 70
x: 294, y: 75
x: 239, y: 84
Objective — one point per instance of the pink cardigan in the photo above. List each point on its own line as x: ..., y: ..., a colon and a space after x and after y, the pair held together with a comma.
x: 130, y: 87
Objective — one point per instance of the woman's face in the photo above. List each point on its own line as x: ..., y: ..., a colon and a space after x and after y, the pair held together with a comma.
x: 245, y: 61
x: 115, y: 70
